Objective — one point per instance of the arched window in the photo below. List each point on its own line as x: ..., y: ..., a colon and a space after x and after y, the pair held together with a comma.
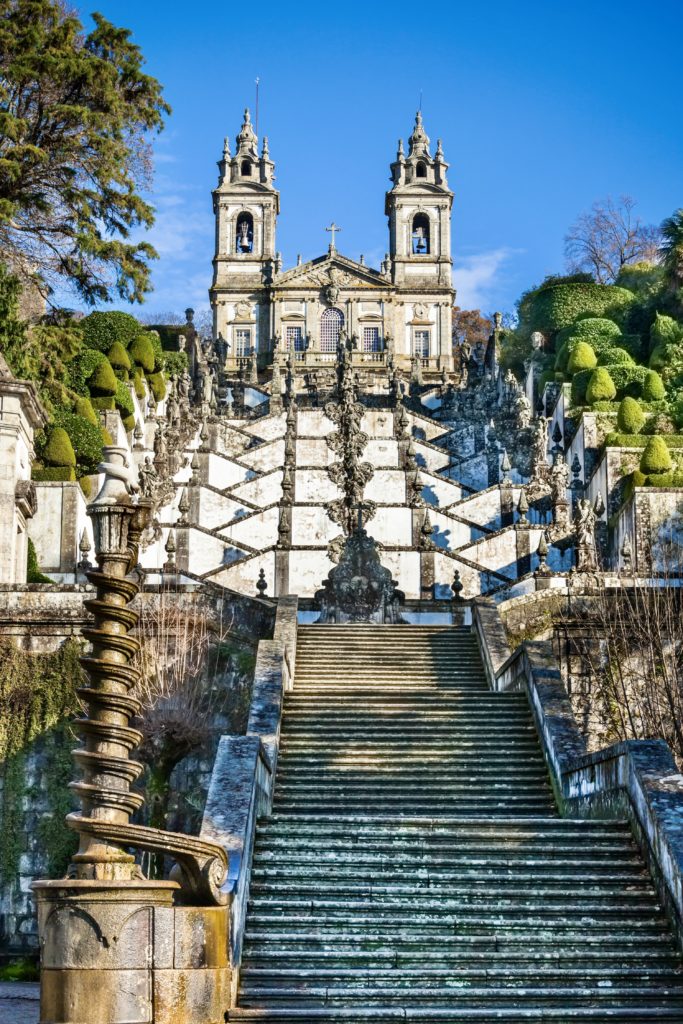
x: 421, y: 170
x: 244, y: 233
x: 246, y: 169
x: 420, y: 234
x: 331, y: 323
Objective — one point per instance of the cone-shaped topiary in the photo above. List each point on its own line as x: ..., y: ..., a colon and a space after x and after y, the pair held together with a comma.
x: 630, y: 417
x: 582, y: 357
x: 84, y: 408
x: 656, y: 457
x: 664, y: 331
x: 58, y: 449
x: 600, y: 386
x: 158, y: 385
x: 142, y: 353
x: 120, y: 360
x: 653, y: 387
x: 103, y: 382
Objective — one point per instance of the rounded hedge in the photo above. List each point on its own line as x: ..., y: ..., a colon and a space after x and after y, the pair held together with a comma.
x: 157, y: 383
x: 630, y: 416
x: 590, y: 329
x: 656, y: 457
x: 142, y: 353
x: 58, y: 450
x: 118, y: 357
x: 105, y: 402
x: 582, y: 357
x: 86, y: 439
x: 124, y: 401
x: 664, y: 331
x: 653, y: 387
x: 83, y: 407
x: 103, y: 381
x: 102, y: 329
x: 558, y: 306
x: 83, y: 367
x: 600, y: 386
x: 613, y: 356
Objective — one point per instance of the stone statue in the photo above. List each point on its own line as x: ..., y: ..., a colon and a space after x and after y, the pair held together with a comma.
x: 147, y: 475
x: 586, y: 547
x: 523, y: 411
x: 539, y: 456
x: 559, y: 481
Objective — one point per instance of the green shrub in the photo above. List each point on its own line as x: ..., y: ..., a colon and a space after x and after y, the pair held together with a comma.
x: 83, y: 407
x: 139, y: 383
x: 630, y: 418
x: 615, y: 440
x: 158, y: 385
x: 83, y: 367
x: 656, y: 457
x: 664, y: 331
x: 579, y: 384
x: 600, y: 386
x: 595, y: 330
x: 103, y: 381
x: 118, y: 357
x: 556, y: 306
x: 86, y: 486
x: 628, y: 380
x: 653, y: 387
x: 124, y: 400
x: 673, y: 479
x: 102, y: 329
x: 142, y: 352
x: 85, y: 437
x: 50, y: 474
x: 58, y: 450
x: 582, y: 357
x: 105, y: 402
x: 175, y: 363
x: 33, y: 573
x: 615, y: 356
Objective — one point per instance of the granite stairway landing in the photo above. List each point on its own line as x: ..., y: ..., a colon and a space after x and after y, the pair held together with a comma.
x: 415, y: 867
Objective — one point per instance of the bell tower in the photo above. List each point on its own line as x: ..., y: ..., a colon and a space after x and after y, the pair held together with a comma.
x: 246, y: 205
x: 419, y: 210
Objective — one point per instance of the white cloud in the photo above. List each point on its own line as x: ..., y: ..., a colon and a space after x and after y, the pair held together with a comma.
x: 476, y: 278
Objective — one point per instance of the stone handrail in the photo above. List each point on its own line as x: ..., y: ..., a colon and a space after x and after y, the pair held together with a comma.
x: 241, y: 787
x: 635, y: 779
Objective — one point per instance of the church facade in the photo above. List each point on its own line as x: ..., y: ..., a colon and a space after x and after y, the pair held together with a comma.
x: 393, y: 314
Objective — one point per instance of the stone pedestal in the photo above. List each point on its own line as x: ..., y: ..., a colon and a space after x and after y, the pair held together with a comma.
x: 121, y: 953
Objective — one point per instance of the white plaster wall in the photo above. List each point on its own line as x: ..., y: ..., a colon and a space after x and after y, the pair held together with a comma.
x: 205, y: 552
x: 387, y: 486
x: 482, y: 508
x: 263, y: 491
x: 223, y: 472
x: 377, y: 423
x: 313, y: 451
x: 392, y: 526
x: 267, y: 428
x: 381, y: 452
x: 429, y: 428
x: 313, y: 423
x: 498, y: 552
x: 429, y: 458
x: 270, y: 456
x: 405, y: 568
x: 216, y: 509
x: 258, y: 531
x: 311, y: 526
x: 314, y: 485
x: 45, y: 528
x: 244, y: 575
x: 450, y: 534
x: 307, y: 570
x: 438, y: 492
x: 444, y: 573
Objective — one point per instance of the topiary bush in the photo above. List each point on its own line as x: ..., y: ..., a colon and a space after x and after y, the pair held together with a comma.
x: 84, y: 408
x: 656, y: 457
x: 664, y: 331
x: 139, y: 383
x: 630, y: 417
x: 628, y: 380
x: 58, y: 450
x: 175, y: 363
x: 556, y: 306
x: 120, y: 361
x: 615, y: 356
x: 142, y: 353
x: 600, y: 386
x: 102, y: 329
x: 581, y: 357
x: 33, y: 573
x: 103, y: 382
x: 579, y: 384
x: 53, y: 474
x: 595, y: 330
x: 653, y: 387
x: 158, y: 385
x: 86, y: 440
x: 105, y: 402
x: 83, y: 367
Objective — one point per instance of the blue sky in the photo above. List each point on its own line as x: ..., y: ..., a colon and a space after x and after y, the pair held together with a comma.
x: 543, y: 107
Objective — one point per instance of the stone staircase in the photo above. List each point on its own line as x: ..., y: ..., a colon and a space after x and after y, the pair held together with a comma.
x: 415, y: 867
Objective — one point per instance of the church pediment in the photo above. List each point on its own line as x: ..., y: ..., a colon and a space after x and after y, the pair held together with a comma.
x: 333, y: 272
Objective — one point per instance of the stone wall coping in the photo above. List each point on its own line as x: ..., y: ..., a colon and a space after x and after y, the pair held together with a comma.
x: 241, y: 786
x: 636, y: 779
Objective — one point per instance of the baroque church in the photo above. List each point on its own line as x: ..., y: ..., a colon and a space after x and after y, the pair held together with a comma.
x: 401, y: 310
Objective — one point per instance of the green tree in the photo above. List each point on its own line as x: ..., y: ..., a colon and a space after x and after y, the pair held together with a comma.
x: 656, y: 457
x: 671, y: 251
x: 76, y: 116
x: 653, y: 387
x: 600, y: 386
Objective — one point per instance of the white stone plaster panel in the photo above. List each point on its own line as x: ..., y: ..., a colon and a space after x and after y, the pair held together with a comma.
x: 428, y: 427
x: 223, y: 472
x: 392, y: 526
x: 387, y: 486
x: 444, y: 572
x: 267, y: 428
x: 258, y: 531
x: 313, y: 423
x: 449, y: 533
x: 312, y: 526
x: 313, y: 451
x: 205, y: 552
x: 216, y: 509
x: 438, y: 492
x: 482, y: 508
x: 405, y: 568
x: 377, y: 423
x: 45, y: 528
x: 243, y: 575
x: 428, y: 458
x: 265, y: 490
x: 314, y: 485
x: 307, y: 570
x: 269, y: 456
x: 498, y: 552
x: 382, y: 452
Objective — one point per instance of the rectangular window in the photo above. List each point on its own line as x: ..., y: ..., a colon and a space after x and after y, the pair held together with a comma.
x: 295, y: 339
x: 242, y: 341
x: 371, y: 340
x: 421, y: 344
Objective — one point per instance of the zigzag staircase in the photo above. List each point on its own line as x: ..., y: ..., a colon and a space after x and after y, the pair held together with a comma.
x: 415, y: 867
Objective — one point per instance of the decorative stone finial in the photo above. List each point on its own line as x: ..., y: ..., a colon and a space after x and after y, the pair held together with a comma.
x: 261, y: 583
x: 457, y: 586
x: 522, y: 508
